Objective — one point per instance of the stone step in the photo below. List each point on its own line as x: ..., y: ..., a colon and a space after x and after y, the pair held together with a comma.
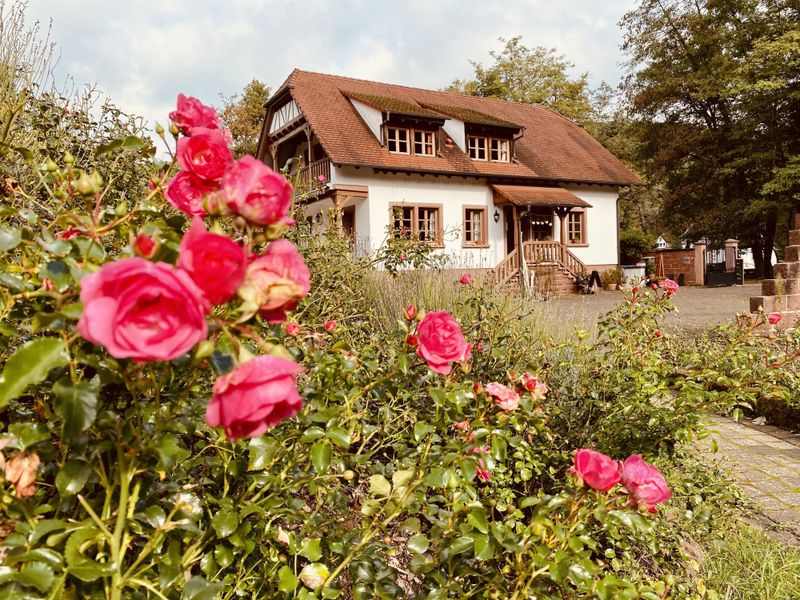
x: 794, y: 237
x: 791, y: 253
x: 788, y: 302
x: 780, y: 287
x: 787, y: 270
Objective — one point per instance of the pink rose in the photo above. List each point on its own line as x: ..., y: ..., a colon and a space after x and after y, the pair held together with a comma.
x: 671, y: 287
x: 292, y: 329
x: 192, y: 113
x: 411, y: 340
x: 774, y: 318
x: 441, y: 342
x: 214, y: 262
x: 644, y: 482
x: 276, y: 281
x: 145, y: 246
x: 205, y: 154
x: 187, y: 192
x: 321, y: 179
x: 330, y: 326
x: 257, y: 193
x: 254, y: 396
x: 506, y: 398
x: 465, y: 279
x: 142, y: 310
x: 598, y: 471
x: 460, y: 425
x: 482, y: 473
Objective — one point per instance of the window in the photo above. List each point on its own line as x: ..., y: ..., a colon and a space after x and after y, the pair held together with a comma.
x: 475, y: 226
x: 576, y: 227
x: 498, y: 149
x: 410, y: 141
x: 397, y: 140
x: 477, y: 147
x: 423, y: 143
x: 420, y: 222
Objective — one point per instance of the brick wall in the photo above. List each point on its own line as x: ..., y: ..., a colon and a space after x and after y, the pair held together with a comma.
x: 676, y: 262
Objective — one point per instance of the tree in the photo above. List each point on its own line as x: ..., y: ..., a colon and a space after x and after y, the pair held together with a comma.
x: 532, y: 75
x: 243, y: 115
x: 716, y: 99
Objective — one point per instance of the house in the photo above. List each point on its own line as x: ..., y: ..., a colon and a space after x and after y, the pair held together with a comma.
x: 477, y: 178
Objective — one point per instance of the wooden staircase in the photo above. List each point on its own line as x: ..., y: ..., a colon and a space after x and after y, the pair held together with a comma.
x: 553, y: 266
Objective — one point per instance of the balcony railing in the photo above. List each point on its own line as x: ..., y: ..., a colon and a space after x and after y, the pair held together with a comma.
x: 316, y: 174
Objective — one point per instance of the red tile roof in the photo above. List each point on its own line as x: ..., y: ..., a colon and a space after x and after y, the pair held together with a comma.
x: 552, y: 147
x: 528, y: 195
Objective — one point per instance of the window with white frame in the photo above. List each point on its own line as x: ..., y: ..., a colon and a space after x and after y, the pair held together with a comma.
x: 423, y: 143
x: 576, y: 227
x: 475, y: 230
x: 490, y: 149
x: 499, y: 150
x: 417, y: 221
x: 397, y: 140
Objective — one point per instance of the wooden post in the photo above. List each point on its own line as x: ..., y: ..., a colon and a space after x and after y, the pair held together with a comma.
x: 337, y: 209
x: 700, y: 263
x: 516, y: 231
x: 731, y: 254
x: 562, y: 218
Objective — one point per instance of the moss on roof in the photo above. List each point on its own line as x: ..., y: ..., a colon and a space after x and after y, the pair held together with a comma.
x: 470, y: 116
x: 394, y: 105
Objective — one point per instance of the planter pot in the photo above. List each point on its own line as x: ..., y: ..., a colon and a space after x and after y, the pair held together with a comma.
x: 611, y: 287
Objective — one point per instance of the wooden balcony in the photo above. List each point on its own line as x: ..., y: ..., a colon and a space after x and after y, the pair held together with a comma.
x: 317, y: 174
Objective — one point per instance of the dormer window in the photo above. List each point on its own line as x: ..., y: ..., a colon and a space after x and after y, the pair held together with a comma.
x: 410, y: 141
x: 490, y: 149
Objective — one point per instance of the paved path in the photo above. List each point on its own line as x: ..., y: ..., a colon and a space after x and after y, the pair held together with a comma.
x: 697, y: 306
x: 765, y: 462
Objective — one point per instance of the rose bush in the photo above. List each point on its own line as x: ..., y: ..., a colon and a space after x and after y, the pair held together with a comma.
x: 155, y: 447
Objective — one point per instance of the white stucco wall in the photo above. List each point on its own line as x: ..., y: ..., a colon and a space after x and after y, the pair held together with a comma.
x: 601, y: 226
x: 455, y: 129
x: 372, y: 215
x: 372, y: 117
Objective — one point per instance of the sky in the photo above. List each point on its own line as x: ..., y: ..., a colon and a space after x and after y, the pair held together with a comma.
x: 141, y: 53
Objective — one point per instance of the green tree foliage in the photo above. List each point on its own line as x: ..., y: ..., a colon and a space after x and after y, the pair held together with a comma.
x: 243, y: 115
x: 714, y: 87
x: 534, y: 75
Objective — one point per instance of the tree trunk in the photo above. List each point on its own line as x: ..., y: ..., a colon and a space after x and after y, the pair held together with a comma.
x: 758, y: 259
x: 769, y: 241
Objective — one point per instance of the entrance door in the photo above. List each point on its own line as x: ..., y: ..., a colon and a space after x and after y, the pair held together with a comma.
x: 508, y: 219
x: 349, y: 222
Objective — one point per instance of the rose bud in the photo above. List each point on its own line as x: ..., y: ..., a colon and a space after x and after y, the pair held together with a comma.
x: 774, y: 318
x: 411, y: 339
x: 330, y: 326
x: 411, y: 312
x: 477, y: 388
x: 145, y: 246
x: 292, y: 329
x: 465, y: 279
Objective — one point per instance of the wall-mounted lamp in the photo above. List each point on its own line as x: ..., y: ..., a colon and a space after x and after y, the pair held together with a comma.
x: 496, y: 216
x: 318, y: 218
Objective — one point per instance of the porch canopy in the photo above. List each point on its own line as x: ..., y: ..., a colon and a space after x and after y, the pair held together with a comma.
x: 527, y: 195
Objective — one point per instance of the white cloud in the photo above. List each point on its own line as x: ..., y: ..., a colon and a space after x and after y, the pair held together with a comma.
x: 143, y: 53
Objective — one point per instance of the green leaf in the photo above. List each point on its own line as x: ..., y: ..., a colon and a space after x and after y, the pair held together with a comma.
x: 321, y: 457
x: 225, y: 523
x: 477, y: 518
x: 484, y: 550
x: 37, y: 574
x: 30, y: 364
x: 418, y: 543
x: 9, y: 239
x: 311, y: 549
x: 379, y: 486
x: 170, y: 451
x: 402, y: 477
x: 44, y: 527
x: 339, y: 436
x: 72, y: 477
x: 461, y: 544
x: 76, y: 404
x: 85, y: 569
x: 287, y: 581
x: 198, y: 588
x: 421, y: 430
x: 132, y: 142
x: 262, y: 451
